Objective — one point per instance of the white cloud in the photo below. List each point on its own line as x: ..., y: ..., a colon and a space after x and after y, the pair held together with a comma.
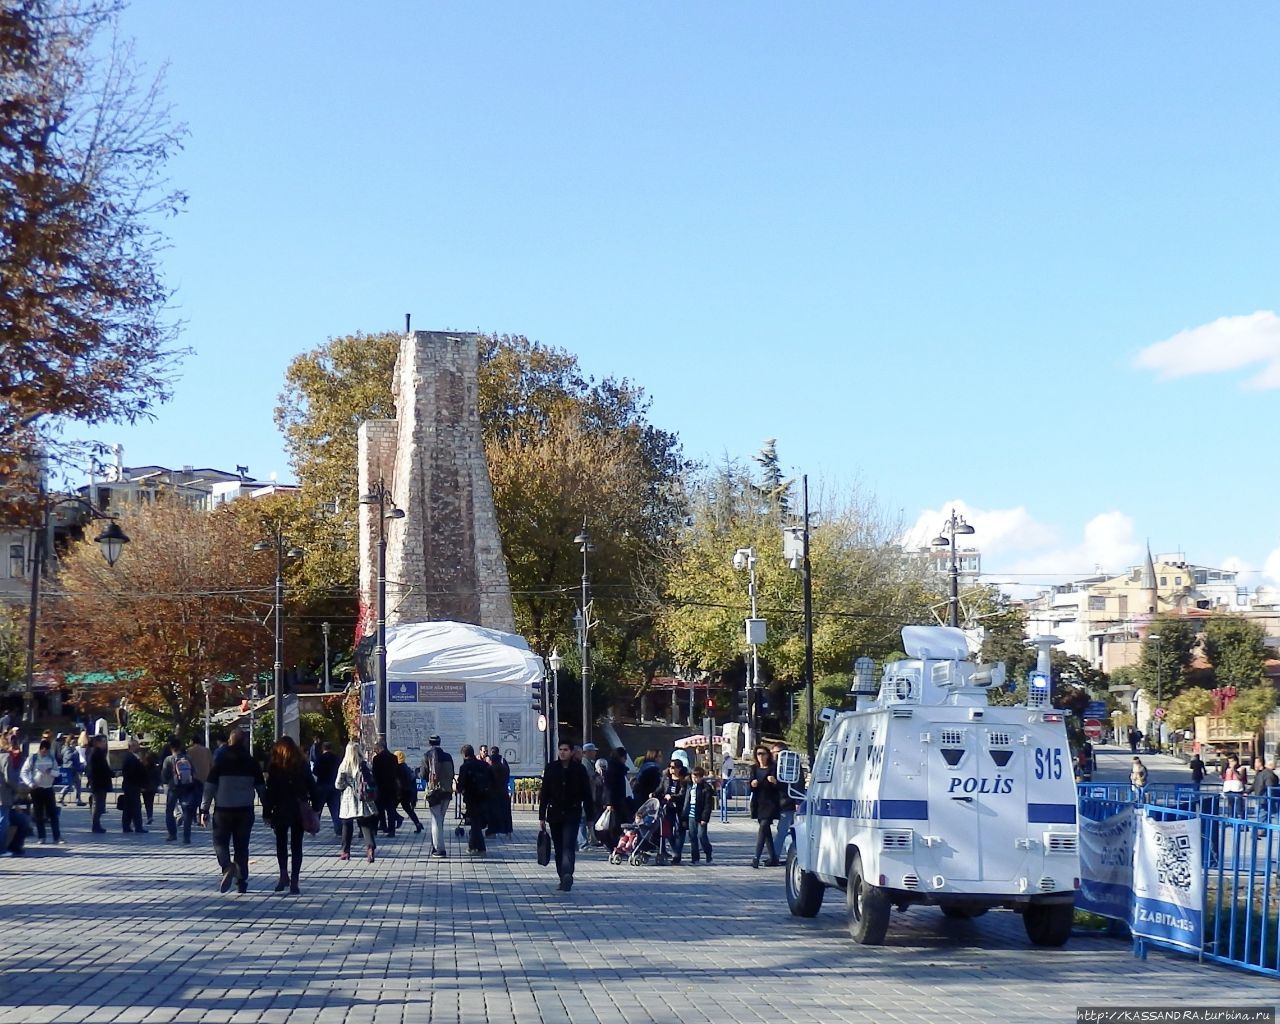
x: 1025, y: 556
x: 1228, y: 343
x: 1271, y: 568
x: 998, y: 531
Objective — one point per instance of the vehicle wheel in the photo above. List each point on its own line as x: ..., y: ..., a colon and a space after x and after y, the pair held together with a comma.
x: 1048, y: 924
x: 804, y: 891
x: 867, y: 907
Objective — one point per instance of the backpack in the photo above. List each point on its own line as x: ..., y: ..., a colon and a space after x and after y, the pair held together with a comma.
x: 183, y: 775
x: 439, y: 771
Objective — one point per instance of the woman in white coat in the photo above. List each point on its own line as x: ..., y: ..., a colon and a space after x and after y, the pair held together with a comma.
x: 357, y: 805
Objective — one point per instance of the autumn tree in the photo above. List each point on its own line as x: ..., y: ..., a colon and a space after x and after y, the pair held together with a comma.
x: 863, y: 590
x: 1249, y: 711
x: 1186, y: 707
x: 1237, y: 649
x: 85, y: 330
x: 188, y: 601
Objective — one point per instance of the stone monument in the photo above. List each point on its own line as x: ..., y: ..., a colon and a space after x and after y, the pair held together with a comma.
x: 444, y: 558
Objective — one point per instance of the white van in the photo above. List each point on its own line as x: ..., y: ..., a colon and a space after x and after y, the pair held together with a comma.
x: 927, y: 794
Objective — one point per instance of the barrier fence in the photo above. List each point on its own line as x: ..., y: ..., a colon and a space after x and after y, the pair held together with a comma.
x: 1203, y: 871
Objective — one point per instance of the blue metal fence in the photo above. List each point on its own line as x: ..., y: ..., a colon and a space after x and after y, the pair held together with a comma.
x: 1240, y: 846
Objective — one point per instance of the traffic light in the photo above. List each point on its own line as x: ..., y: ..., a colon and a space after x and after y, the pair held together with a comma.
x: 744, y: 706
x: 711, y: 704
x: 244, y: 705
x: 537, y: 702
x: 762, y: 702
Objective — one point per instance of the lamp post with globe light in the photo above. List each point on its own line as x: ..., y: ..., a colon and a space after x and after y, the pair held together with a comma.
x: 381, y: 497
x: 954, y: 526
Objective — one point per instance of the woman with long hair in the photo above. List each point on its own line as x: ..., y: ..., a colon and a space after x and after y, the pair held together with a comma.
x: 288, y: 781
x: 357, y: 806
x: 766, y: 803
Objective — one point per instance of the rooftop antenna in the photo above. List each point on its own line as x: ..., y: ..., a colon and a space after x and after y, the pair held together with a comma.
x: 407, y: 317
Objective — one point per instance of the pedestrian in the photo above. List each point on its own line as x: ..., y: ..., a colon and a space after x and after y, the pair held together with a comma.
x: 1138, y: 775
x: 786, y: 808
x: 615, y: 791
x: 1266, y: 787
x: 764, y: 804
x: 474, y: 783
x: 702, y: 801
x: 289, y: 786
x: 233, y: 782
x: 385, y: 778
x: 675, y: 812
x: 595, y: 775
x: 359, y: 806
x: 498, y: 819
x: 564, y: 799
x: 647, y: 781
x: 74, y: 755
x: 40, y: 772
x: 98, y: 775
x: 15, y: 826
x: 181, y: 792
x: 437, y: 771
x: 133, y: 777
x: 327, y: 795
x: 1234, y: 781
x: 151, y: 765
x: 1197, y: 770
x: 408, y: 790
x: 726, y: 785
x: 201, y: 762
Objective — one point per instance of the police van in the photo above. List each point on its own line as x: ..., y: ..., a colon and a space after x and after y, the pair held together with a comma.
x: 925, y: 793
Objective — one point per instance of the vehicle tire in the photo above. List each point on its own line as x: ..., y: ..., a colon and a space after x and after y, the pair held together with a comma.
x: 1048, y: 924
x: 867, y: 907
x: 804, y: 891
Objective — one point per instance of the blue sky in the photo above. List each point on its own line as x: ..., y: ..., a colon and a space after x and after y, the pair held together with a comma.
x: 1017, y: 258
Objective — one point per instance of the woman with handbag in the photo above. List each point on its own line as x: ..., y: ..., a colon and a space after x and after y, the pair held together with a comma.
x: 358, y: 804
x: 290, y: 785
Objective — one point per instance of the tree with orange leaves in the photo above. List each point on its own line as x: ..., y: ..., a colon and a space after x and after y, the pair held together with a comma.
x: 190, y: 601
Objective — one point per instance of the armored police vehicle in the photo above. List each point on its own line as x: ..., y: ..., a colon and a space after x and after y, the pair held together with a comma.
x: 927, y: 794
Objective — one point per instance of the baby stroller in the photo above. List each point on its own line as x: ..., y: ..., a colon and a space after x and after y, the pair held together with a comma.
x: 639, y: 840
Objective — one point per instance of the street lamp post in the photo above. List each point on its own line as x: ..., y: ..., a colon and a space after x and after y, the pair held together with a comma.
x: 278, y: 543
x: 324, y: 631
x: 1159, y: 694
x: 745, y: 558
x: 111, y: 541
x: 954, y: 526
x: 798, y: 558
x: 583, y: 622
x: 381, y: 497
x: 553, y: 704
x: 207, y: 685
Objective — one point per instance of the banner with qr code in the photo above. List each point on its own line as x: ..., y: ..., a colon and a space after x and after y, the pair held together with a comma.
x: 1168, y: 883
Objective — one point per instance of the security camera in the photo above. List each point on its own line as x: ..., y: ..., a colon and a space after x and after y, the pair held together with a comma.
x: 740, y: 560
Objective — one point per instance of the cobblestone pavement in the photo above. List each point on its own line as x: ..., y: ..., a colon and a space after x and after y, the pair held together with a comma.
x: 132, y: 929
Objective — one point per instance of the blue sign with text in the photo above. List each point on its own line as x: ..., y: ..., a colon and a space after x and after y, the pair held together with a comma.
x: 406, y: 692
x: 368, y: 699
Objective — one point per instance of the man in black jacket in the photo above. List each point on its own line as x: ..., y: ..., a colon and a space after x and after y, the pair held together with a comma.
x: 386, y: 776
x: 564, y: 801
x: 475, y: 782
x: 233, y: 782
x: 98, y: 774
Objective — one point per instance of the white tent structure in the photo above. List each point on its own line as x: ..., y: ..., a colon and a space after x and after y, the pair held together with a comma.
x: 466, y: 684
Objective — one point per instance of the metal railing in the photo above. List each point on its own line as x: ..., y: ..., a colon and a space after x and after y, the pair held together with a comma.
x: 1240, y: 857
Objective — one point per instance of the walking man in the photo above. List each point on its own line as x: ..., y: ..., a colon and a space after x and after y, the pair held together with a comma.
x: 475, y: 783
x: 234, y: 780
x: 98, y: 774
x: 564, y: 801
x: 386, y: 778
x: 181, y: 791
x: 133, y: 776
x: 437, y: 770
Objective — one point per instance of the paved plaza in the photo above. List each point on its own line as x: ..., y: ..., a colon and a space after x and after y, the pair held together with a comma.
x: 132, y: 929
